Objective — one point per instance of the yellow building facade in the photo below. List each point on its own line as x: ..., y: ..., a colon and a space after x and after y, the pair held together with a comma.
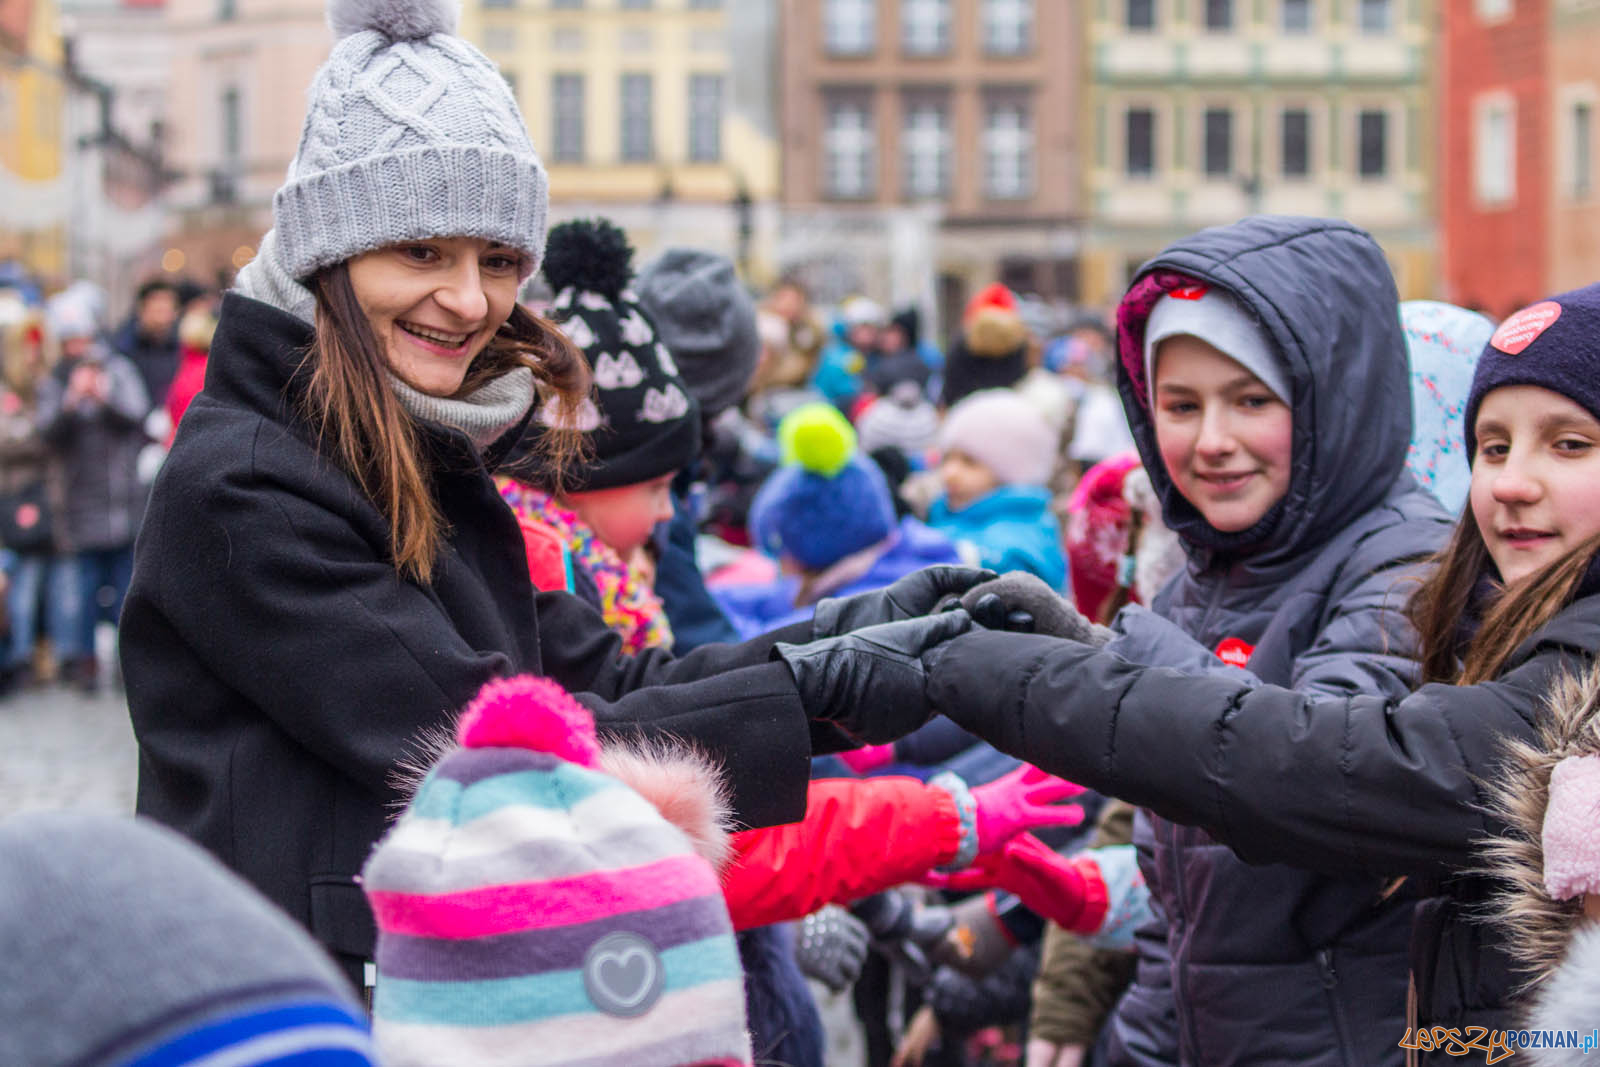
x: 636, y: 108
x: 33, y: 100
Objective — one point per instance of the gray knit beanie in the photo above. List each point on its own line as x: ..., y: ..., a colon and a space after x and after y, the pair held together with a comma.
x: 126, y: 943
x: 704, y: 316
x: 410, y: 133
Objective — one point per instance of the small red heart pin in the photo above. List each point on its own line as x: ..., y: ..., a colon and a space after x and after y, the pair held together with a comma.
x: 1190, y: 292
x: 1523, y: 328
x: 1235, y: 652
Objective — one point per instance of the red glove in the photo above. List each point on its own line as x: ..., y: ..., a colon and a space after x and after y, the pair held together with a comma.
x: 1022, y: 800
x: 868, y: 759
x: 1069, y: 892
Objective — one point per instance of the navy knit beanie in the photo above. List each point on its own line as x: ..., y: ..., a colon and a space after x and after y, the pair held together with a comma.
x: 1554, y: 344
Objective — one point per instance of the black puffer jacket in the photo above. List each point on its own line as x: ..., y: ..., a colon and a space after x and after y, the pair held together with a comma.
x: 1278, y: 963
x: 278, y: 669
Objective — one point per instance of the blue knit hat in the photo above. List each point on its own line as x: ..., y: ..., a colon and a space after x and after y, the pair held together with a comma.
x: 1554, y: 344
x: 827, y: 500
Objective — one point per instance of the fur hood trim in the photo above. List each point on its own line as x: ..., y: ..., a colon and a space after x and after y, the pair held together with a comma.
x: 683, y: 782
x: 1540, y: 928
x: 1568, y: 1000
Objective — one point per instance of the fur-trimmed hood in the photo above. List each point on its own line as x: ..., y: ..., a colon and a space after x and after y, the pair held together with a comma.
x: 1539, y: 928
x: 1569, y: 1001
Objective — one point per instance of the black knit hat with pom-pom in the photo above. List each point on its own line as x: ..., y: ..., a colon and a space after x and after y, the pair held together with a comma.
x: 642, y: 422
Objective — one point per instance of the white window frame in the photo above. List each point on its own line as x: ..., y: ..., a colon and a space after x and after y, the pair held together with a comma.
x: 705, y: 122
x: 850, y: 27
x: 927, y: 149
x: 925, y: 27
x: 1009, y: 150
x: 852, y: 146
x: 1494, y: 149
x: 1008, y: 27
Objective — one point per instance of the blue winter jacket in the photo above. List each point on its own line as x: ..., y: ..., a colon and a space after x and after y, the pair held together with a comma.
x: 1012, y: 529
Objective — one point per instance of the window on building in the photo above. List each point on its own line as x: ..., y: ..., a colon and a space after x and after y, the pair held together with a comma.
x: 1141, y: 15
x: 1007, y: 27
x: 500, y: 3
x: 1372, y: 144
x: 1492, y: 10
x: 567, y: 5
x: 849, y: 27
x: 1219, y: 15
x: 1582, y: 149
x: 636, y: 5
x: 1218, y: 148
x: 1494, y: 150
x: 566, y: 96
x: 1140, y: 142
x: 500, y: 38
x: 705, y: 5
x: 1294, y: 150
x: 227, y: 10
x: 1294, y: 16
x: 925, y: 145
x: 232, y: 115
x: 1008, y: 150
x: 638, y: 133
x: 1375, y: 16
x: 705, y: 118
x: 925, y: 27
x: 849, y: 147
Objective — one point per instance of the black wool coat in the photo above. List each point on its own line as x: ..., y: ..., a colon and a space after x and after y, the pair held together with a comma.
x: 278, y: 668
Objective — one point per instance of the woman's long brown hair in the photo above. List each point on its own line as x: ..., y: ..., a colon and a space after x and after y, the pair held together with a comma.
x: 368, y: 433
x: 1443, y: 600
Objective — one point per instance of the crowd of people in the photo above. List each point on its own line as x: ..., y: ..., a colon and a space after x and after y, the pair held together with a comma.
x: 611, y: 676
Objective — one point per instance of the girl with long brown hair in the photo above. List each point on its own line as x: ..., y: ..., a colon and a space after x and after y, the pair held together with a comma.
x: 327, y: 570
x: 1359, y: 786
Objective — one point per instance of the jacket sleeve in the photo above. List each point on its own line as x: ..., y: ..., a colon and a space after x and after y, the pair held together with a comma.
x: 965, y: 1005
x: 932, y: 743
x: 50, y: 412
x: 1376, y: 784
x: 127, y: 399
x: 858, y: 838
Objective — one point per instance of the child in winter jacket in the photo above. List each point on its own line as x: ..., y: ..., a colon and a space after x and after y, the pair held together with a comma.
x: 1309, y: 779
x: 1274, y: 428
x: 997, y: 454
x: 829, y: 518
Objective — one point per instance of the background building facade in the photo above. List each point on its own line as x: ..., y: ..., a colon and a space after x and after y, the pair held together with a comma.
x: 35, y: 193
x: 930, y: 146
x: 1203, y: 111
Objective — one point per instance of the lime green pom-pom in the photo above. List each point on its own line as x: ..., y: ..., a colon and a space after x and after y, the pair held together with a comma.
x: 818, y: 438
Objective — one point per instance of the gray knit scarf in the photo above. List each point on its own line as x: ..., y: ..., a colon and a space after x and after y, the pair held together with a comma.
x: 484, y: 415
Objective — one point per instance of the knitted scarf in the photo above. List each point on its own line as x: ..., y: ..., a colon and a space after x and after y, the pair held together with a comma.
x: 628, y: 604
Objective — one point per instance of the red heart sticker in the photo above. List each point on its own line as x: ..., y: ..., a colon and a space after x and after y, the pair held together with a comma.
x: 1190, y: 292
x: 1235, y: 652
x: 1523, y: 328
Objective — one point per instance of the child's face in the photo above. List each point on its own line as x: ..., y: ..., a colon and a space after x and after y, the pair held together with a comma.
x: 1535, y: 478
x: 1224, y: 436
x: 626, y: 516
x: 965, y: 479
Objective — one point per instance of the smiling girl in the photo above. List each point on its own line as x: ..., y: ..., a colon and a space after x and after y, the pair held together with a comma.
x: 1357, y: 787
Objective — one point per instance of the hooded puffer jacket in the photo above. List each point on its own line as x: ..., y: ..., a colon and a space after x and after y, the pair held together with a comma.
x: 1276, y: 963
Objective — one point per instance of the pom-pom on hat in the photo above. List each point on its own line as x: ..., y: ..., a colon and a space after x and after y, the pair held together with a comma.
x: 992, y: 352
x: 528, y: 900
x: 1005, y: 433
x: 644, y: 423
x: 1554, y: 344
x: 410, y: 133
x: 827, y: 500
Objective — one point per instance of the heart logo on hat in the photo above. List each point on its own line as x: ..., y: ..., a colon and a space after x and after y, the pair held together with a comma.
x: 623, y: 975
x: 1523, y: 328
x: 1190, y: 292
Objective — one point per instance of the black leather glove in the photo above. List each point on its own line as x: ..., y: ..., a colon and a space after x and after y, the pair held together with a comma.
x: 1022, y: 603
x: 918, y: 593
x: 831, y: 947
x: 872, y: 683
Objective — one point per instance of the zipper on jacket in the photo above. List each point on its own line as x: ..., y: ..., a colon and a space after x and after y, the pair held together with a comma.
x: 1330, y: 984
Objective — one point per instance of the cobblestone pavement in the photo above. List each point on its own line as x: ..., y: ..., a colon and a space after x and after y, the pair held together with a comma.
x: 60, y: 750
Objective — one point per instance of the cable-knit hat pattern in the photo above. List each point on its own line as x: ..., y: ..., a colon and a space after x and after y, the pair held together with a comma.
x: 410, y: 133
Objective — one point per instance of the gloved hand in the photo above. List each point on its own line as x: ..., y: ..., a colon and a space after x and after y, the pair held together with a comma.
x: 893, y: 916
x: 1021, y: 602
x: 1069, y: 892
x: 831, y: 947
x: 871, y: 683
x: 978, y: 941
x: 868, y: 759
x: 1025, y: 799
x: 918, y: 593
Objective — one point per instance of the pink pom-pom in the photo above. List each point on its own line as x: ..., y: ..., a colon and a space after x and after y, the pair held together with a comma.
x: 532, y: 713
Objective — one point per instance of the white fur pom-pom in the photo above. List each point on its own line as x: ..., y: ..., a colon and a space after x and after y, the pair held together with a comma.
x: 398, y: 20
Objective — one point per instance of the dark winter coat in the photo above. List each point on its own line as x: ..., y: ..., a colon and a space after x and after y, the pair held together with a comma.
x: 278, y: 668
x: 155, y: 359
x: 96, y: 496
x: 1282, y: 962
